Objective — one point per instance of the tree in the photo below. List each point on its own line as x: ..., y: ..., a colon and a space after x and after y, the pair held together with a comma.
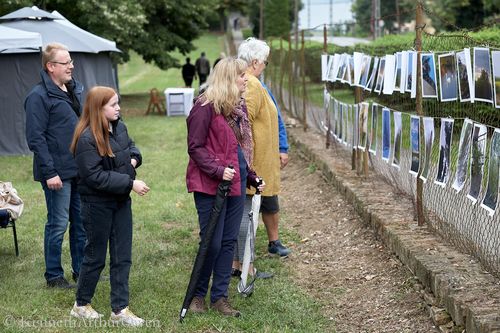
x: 278, y: 16
x: 362, y: 12
x: 151, y: 28
x: 223, y: 7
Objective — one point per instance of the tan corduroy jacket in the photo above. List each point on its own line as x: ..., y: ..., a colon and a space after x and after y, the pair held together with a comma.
x: 263, y: 117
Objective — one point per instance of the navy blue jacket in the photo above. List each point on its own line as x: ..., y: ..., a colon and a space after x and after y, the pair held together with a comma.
x: 103, y: 178
x: 50, y: 123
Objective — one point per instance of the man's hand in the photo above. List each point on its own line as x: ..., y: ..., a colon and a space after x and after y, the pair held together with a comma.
x: 133, y: 161
x: 283, y: 160
x: 54, y: 183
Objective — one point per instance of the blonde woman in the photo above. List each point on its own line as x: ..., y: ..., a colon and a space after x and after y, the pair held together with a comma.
x: 219, y: 135
x: 106, y: 158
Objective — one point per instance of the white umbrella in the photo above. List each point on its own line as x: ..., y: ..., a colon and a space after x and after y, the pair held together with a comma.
x: 243, y: 288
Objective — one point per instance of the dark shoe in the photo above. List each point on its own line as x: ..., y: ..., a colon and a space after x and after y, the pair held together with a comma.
x: 198, y: 305
x: 275, y: 247
x: 222, y: 305
x: 235, y: 272
x: 263, y: 275
x: 60, y: 283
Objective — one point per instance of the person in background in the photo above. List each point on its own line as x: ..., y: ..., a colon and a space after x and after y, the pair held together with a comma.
x: 202, y: 68
x: 219, y: 136
x: 188, y: 73
x: 270, y: 150
x: 107, y: 159
x: 221, y: 56
x: 53, y: 107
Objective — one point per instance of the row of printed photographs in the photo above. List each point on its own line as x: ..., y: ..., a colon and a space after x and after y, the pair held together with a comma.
x: 459, y: 78
x: 349, y: 125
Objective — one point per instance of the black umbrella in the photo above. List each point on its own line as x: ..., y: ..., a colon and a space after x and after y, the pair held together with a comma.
x: 220, y: 198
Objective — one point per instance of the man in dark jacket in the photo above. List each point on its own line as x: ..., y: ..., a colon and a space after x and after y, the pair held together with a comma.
x: 202, y: 68
x: 52, y: 110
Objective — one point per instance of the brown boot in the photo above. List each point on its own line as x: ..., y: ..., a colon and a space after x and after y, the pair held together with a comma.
x: 198, y: 305
x: 222, y: 305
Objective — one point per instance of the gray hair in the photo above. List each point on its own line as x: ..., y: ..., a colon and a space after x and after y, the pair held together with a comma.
x: 253, y: 49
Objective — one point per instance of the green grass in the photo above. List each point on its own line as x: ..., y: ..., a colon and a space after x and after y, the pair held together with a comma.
x: 135, y: 76
x: 164, y: 247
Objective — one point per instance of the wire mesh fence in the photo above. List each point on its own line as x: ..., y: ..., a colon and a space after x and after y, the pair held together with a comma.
x: 330, y: 108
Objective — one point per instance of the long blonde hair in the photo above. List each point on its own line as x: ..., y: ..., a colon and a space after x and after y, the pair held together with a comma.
x: 93, y: 117
x: 222, y: 90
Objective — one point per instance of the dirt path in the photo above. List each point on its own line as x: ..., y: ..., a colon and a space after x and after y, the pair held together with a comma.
x: 363, y: 287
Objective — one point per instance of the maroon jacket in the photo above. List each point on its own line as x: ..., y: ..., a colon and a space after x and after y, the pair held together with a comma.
x: 212, y: 146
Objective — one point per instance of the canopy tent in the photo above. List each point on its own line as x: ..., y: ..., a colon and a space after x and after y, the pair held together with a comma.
x: 20, y: 65
x: 11, y: 39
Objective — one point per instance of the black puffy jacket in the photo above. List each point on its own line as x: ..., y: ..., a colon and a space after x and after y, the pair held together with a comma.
x: 103, y: 178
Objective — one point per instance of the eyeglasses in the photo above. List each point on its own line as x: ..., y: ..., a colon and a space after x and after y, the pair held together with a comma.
x: 67, y: 63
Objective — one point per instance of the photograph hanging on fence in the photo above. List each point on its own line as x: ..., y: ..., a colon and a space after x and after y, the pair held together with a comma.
x: 335, y: 118
x: 398, y: 130
x: 373, y: 75
x: 389, y: 74
x: 344, y: 123
x: 340, y: 122
x: 410, y: 55
x: 365, y: 70
x: 331, y: 118
x: 428, y: 75
x: 386, y: 134
x: 373, y: 132
x: 463, y: 155
x: 357, y: 59
x: 404, y: 59
x: 478, y: 152
x: 380, y: 76
x: 334, y: 67
x: 444, y: 165
x: 328, y: 102
x: 349, y: 110
x: 363, y: 125
x: 355, y: 126
x: 448, y: 88
x: 351, y: 70
x: 495, y: 59
x: 415, y: 144
x: 324, y: 66
x: 342, y: 67
x: 465, y: 80
x: 428, y: 141
x: 399, y: 64
x: 491, y: 197
x: 483, y: 90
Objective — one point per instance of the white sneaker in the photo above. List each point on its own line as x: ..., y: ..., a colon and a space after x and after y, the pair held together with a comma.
x: 127, y: 318
x: 85, y: 312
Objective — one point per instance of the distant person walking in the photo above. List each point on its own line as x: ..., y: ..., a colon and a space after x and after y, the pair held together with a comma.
x: 52, y: 110
x: 188, y: 73
x: 202, y: 68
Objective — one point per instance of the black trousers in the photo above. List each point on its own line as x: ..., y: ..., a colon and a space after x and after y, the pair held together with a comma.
x: 106, y: 222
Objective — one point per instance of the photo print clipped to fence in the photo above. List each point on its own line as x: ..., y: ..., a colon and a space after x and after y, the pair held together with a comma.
x: 431, y: 121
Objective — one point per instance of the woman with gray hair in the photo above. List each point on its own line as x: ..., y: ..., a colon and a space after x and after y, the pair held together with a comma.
x: 270, y: 152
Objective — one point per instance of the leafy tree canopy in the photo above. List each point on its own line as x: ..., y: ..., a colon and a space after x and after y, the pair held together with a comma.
x: 152, y: 28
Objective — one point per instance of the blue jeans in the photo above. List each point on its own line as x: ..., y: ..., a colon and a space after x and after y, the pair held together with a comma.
x: 62, y: 206
x: 220, y: 253
x: 105, y: 222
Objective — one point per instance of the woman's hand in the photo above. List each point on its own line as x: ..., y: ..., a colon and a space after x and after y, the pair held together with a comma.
x: 140, y: 187
x: 262, y: 185
x: 228, y: 174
